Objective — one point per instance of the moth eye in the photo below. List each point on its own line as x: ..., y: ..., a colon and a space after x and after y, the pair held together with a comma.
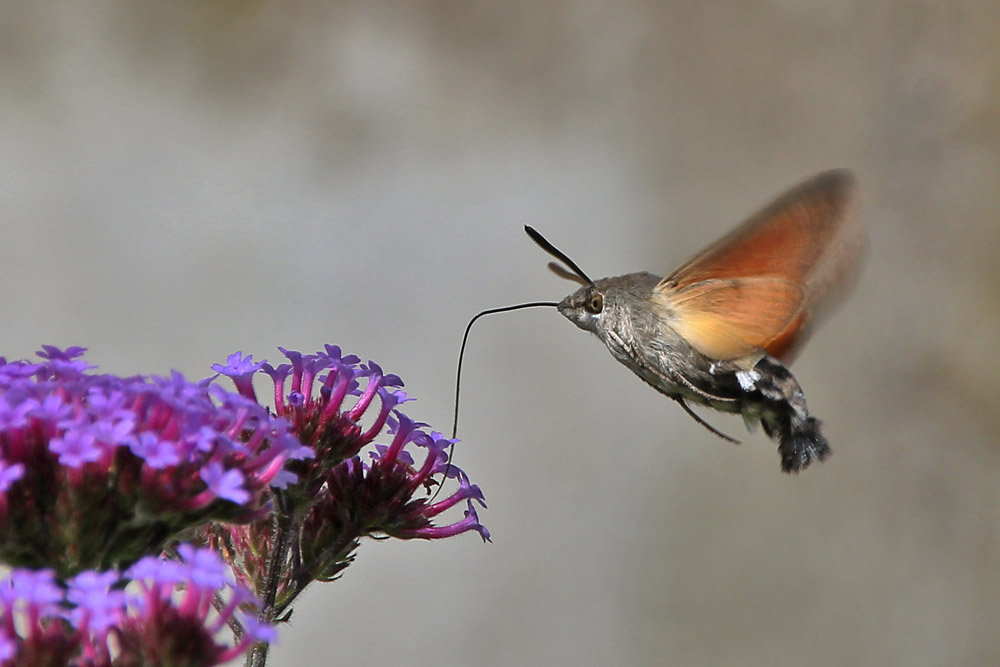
x: 595, y: 303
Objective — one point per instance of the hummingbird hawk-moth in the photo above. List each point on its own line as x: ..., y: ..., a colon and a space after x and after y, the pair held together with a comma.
x: 719, y: 330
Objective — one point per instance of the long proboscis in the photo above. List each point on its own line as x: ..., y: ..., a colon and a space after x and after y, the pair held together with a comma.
x: 458, y: 374
x: 465, y: 340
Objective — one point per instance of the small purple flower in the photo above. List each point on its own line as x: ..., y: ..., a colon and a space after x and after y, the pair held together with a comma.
x: 206, y: 568
x: 16, y: 416
x: 87, y: 585
x: 71, y: 353
x: 155, y: 452
x: 226, y: 484
x: 335, y: 357
x: 241, y: 370
x: 107, y: 406
x: 97, y: 606
x: 113, y: 432
x: 64, y: 363
x: 163, y: 571
x: 76, y: 447
x: 33, y: 587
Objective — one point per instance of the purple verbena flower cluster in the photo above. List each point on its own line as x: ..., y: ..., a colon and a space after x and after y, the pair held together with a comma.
x: 97, y: 471
x: 353, y: 487
x: 160, y: 612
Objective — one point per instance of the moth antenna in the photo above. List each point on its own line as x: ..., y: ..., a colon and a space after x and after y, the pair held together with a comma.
x: 558, y: 254
x: 458, y: 373
x: 712, y: 429
x: 563, y: 272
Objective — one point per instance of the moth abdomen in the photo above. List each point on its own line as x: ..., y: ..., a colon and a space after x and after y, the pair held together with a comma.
x: 786, y: 419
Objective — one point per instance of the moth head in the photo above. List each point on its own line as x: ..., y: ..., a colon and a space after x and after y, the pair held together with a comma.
x: 584, y: 307
x: 619, y: 304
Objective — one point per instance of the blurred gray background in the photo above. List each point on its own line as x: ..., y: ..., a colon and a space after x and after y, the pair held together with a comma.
x: 179, y: 180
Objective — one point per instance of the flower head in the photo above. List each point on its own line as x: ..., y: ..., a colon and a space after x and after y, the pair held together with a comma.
x: 99, y: 470
x: 165, y: 612
x: 372, y: 475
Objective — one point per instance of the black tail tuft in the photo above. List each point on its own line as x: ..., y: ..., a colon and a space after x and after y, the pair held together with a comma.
x: 801, y: 444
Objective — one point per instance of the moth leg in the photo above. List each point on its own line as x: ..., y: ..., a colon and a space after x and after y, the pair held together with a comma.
x: 680, y: 379
x: 712, y: 429
x: 676, y: 378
